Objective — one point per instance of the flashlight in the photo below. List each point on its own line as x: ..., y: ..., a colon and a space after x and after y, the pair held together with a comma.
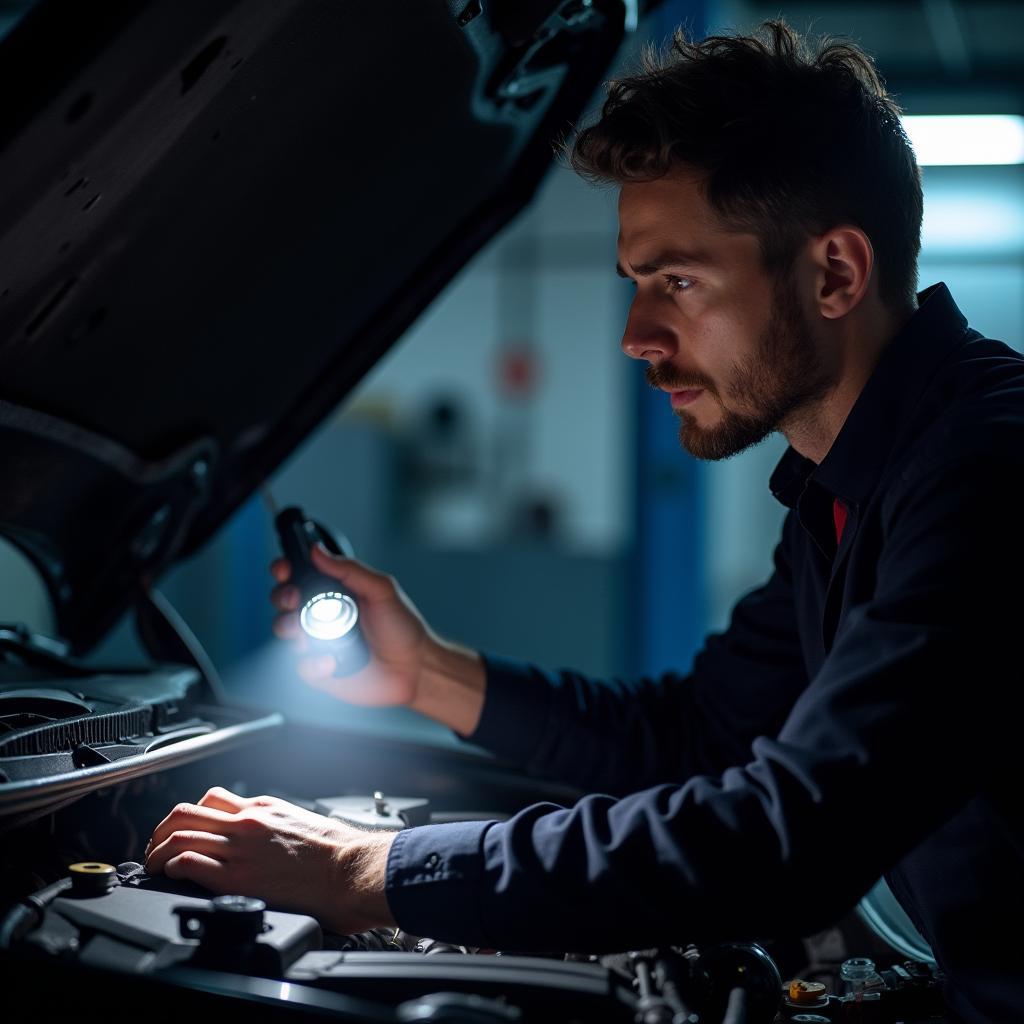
x: 327, y: 613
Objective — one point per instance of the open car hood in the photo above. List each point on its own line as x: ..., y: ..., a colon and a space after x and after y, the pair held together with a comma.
x: 215, y: 218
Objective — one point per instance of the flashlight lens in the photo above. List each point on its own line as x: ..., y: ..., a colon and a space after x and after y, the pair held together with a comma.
x: 326, y: 610
x: 329, y: 616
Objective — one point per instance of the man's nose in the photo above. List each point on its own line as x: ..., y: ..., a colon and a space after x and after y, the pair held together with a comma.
x: 646, y: 338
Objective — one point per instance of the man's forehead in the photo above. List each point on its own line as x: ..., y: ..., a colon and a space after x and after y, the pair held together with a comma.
x: 684, y: 188
x: 666, y: 208
x: 672, y: 216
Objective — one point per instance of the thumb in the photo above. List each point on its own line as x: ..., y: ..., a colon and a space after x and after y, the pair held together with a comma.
x: 359, y: 578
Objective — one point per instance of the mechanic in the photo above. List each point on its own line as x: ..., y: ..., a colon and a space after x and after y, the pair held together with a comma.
x: 854, y: 719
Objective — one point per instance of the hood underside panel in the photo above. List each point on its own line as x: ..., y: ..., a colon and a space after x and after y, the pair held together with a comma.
x: 215, y: 218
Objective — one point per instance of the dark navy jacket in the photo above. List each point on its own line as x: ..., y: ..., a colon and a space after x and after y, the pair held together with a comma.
x: 857, y: 718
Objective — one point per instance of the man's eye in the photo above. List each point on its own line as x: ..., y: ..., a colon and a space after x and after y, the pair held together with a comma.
x: 675, y: 283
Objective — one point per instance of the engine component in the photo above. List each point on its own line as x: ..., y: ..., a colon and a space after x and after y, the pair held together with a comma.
x: 805, y: 995
x: 227, y: 931
x: 740, y: 965
x: 448, y: 1007
x: 91, y: 879
x: 377, y: 812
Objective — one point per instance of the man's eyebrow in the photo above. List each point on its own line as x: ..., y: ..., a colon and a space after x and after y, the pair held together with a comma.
x: 673, y: 258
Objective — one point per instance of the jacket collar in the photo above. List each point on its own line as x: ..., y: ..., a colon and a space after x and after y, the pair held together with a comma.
x: 854, y: 463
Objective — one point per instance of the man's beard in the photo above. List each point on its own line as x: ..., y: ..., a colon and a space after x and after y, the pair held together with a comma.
x: 784, y: 374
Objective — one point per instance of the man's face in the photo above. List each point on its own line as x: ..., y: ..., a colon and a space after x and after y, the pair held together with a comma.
x: 732, y: 347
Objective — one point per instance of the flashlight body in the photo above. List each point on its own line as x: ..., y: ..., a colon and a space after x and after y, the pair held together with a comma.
x: 297, y: 534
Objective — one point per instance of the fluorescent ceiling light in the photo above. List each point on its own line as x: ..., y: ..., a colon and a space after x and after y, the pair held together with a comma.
x: 962, y: 221
x: 967, y: 138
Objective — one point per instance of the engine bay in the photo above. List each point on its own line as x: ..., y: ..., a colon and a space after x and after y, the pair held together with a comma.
x: 92, y: 759
x: 101, y: 920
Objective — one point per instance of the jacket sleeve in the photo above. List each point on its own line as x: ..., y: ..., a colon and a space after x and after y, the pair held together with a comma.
x: 619, y: 736
x: 919, y: 685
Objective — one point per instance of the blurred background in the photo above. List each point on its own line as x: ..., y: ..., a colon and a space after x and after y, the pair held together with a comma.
x: 507, y: 463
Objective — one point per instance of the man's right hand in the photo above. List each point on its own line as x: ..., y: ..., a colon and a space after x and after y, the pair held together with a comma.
x: 409, y: 664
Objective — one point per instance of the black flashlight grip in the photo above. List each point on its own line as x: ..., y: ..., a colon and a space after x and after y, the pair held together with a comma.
x: 298, y: 534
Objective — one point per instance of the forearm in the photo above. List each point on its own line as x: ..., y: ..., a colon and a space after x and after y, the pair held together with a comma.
x: 520, y: 711
x: 607, y: 736
x: 664, y: 866
x: 452, y: 686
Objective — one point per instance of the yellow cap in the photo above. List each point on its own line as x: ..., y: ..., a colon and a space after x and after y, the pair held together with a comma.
x: 90, y: 867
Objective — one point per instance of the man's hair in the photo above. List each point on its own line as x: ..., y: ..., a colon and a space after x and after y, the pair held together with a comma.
x: 792, y: 138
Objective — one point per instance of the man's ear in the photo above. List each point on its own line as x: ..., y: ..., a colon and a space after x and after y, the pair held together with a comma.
x: 843, y: 260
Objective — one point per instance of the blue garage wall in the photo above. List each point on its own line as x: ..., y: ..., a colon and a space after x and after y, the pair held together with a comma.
x: 669, y: 563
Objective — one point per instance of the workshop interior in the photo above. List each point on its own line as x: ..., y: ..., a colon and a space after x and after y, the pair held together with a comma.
x: 279, y: 272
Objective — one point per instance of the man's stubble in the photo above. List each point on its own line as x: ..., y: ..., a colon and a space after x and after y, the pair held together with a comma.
x: 783, y: 376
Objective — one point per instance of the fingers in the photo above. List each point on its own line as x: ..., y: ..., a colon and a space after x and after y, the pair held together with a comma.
x: 208, y: 844
x: 222, y: 799
x: 286, y: 627
x: 285, y: 597
x: 220, y: 807
x: 363, y: 581
x: 199, y: 868
x: 191, y: 817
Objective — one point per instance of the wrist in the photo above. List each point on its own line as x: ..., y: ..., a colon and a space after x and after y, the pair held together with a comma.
x: 360, y: 886
x: 451, y: 685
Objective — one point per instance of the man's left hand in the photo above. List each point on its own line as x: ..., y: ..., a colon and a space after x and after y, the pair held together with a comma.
x: 292, y: 858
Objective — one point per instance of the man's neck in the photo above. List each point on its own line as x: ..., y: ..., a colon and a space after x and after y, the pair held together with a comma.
x: 859, y: 344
